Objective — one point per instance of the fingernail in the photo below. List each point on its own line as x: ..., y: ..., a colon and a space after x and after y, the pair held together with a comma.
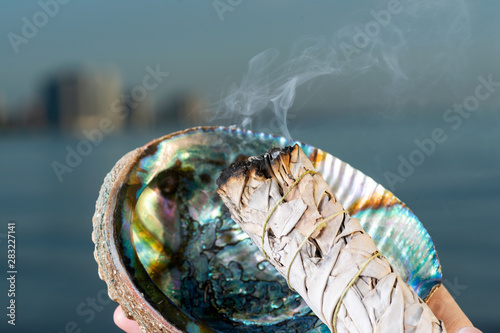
x: 468, y: 330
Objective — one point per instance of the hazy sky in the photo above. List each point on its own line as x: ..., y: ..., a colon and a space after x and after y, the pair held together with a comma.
x: 431, y: 54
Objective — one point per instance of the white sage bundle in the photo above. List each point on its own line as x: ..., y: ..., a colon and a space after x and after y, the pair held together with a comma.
x: 290, y: 213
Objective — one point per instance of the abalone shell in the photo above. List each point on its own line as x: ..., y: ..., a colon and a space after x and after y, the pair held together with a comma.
x: 176, y: 262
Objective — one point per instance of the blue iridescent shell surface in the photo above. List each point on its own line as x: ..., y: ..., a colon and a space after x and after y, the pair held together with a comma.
x: 202, y: 273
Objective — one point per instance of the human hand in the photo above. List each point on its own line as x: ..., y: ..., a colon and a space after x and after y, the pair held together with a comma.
x: 124, y: 323
x: 445, y: 308
x: 441, y: 303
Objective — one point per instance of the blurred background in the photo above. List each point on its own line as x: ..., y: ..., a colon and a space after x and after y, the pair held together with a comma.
x: 408, y: 92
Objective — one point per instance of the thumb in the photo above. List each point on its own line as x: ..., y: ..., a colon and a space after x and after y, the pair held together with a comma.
x: 445, y: 308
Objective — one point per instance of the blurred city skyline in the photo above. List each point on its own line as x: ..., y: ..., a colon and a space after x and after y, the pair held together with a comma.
x: 79, y: 98
x: 423, y: 59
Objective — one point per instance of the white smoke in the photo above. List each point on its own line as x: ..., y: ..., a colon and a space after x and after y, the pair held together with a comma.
x: 269, y: 83
x: 393, y: 55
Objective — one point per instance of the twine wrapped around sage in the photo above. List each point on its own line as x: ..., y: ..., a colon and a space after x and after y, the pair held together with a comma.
x: 290, y: 213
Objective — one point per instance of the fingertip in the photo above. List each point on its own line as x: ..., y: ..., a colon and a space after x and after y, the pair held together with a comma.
x: 127, y: 325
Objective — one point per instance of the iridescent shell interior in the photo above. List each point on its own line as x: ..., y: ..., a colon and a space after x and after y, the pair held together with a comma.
x: 202, y: 273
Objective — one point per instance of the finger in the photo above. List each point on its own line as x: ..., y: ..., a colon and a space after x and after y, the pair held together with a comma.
x: 124, y: 323
x: 445, y: 308
x: 468, y: 330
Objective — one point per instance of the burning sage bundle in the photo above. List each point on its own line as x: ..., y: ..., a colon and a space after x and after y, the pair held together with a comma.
x: 290, y: 213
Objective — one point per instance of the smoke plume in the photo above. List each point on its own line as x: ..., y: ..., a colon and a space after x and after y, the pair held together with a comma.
x: 392, y: 54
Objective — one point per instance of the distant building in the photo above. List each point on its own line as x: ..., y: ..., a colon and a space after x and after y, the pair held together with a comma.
x: 77, y: 100
x: 141, y: 114
x: 185, y: 107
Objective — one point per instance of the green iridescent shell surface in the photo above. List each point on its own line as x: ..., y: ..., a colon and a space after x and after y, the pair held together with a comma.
x: 195, y: 266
